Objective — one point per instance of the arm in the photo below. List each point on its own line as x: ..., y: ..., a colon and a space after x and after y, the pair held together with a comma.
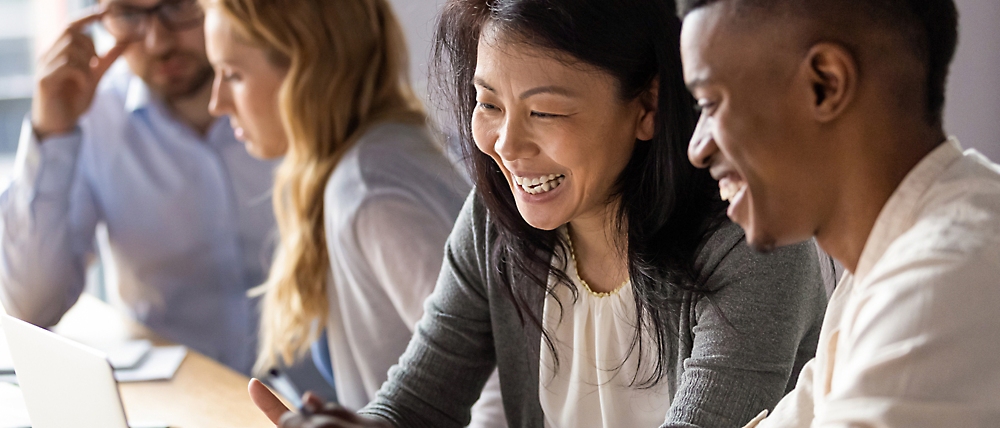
x: 47, y: 221
x: 47, y: 216
x: 747, y: 335
x: 402, y: 241
x: 451, y: 354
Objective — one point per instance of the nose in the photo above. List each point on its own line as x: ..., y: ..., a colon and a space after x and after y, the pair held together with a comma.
x: 702, y: 147
x: 513, y: 141
x: 221, y: 102
x: 159, y: 39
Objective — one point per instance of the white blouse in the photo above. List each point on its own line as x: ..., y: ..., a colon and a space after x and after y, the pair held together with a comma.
x: 590, y: 386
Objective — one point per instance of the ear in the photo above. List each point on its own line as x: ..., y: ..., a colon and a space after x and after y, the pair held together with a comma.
x: 646, y: 126
x: 833, y: 74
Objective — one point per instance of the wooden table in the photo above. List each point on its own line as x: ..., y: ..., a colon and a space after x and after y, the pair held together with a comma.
x: 202, y: 394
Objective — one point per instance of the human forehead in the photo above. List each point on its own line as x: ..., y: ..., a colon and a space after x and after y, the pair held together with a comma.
x: 718, y: 45
x: 521, y: 64
x: 131, y: 3
x: 224, y: 41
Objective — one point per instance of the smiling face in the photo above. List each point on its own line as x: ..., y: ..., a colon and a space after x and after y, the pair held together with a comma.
x: 756, y: 133
x: 246, y: 88
x: 557, y: 128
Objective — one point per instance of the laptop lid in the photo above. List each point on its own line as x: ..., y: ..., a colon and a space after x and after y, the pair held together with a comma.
x: 64, y: 383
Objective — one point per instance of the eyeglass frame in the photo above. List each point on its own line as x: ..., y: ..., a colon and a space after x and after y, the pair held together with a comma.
x: 148, y: 14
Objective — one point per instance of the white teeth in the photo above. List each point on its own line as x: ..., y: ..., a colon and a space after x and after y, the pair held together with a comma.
x: 729, y: 189
x: 539, y: 185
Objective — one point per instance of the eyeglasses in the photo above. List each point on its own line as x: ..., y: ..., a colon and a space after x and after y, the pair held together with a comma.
x: 129, y: 23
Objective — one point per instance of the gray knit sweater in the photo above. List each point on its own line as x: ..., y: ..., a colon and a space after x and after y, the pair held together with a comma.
x: 734, y: 354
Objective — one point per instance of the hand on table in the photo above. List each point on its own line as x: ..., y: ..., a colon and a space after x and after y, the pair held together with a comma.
x: 323, y: 415
x: 67, y: 78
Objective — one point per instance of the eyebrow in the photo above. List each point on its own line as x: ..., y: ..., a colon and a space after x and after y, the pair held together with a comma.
x: 550, y: 89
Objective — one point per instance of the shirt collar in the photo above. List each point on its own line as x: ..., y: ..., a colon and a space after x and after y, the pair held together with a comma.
x: 138, y: 96
x: 900, y: 211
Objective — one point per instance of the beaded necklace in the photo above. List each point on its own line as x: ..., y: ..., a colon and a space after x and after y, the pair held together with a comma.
x: 576, y: 272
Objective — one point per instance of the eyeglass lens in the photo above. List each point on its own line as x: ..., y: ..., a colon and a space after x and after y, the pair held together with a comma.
x: 128, y: 22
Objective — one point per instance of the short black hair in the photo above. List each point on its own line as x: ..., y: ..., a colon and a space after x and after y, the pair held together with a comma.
x: 930, y: 28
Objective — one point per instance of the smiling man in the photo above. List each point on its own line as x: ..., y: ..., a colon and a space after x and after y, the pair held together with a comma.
x: 186, y: 209
x: 823, y: 118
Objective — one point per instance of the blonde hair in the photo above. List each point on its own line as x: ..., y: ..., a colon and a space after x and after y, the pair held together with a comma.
x: 346, y: 62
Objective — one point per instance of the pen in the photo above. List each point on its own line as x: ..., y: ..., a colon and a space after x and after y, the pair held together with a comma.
x: 285, y: 387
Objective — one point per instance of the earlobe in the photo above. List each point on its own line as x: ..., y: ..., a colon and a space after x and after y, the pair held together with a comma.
x: 833, y: 74
x: 646, y: 127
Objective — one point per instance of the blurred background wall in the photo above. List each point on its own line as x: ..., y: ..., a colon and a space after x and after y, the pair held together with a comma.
x: 972, y: 112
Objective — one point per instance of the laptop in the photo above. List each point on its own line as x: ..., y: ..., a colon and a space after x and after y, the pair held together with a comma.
x: 64, y: 383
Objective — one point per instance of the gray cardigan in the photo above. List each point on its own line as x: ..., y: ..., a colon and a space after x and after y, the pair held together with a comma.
x: 734, y: 354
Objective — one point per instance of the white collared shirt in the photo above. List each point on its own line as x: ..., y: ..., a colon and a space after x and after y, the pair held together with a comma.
x: 912, y: 338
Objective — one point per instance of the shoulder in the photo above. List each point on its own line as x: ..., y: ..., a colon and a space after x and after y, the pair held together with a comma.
x: 393, y: 163
x: 787, y: 275
x: 955, y: 238
x: 397, y: 158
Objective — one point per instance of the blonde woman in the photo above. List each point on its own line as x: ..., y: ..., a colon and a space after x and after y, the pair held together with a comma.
x: 364, y: 199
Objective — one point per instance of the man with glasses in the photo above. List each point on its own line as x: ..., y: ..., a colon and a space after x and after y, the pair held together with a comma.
x: 185, y: 210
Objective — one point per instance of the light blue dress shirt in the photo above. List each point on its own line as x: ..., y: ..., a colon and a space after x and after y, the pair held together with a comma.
x: 183, y: 222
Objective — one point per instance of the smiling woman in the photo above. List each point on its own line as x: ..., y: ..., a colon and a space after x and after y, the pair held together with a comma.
x: 593, y: 265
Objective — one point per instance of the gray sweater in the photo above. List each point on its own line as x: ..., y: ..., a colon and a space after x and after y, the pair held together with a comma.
x: 734, y: 354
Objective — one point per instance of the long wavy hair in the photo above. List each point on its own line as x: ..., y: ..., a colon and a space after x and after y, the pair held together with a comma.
x: 667, y: 208
x: 346, y: 63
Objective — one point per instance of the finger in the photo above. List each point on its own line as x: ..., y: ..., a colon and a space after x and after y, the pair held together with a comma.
x: 266, y: 401
x: 80, y: 23
x: 56, y: 50
x: 84, y: 43
x: 66, y: 70
x: 104, y: 62
x: 312, y: 402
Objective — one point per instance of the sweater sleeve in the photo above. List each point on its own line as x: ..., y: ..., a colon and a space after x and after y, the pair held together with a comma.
x: 451, y: 355
x: 749, y: 335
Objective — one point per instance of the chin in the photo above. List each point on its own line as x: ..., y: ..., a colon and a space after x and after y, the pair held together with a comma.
x: 765, y: 240
x: 542, y: 222
x: 758, y: 237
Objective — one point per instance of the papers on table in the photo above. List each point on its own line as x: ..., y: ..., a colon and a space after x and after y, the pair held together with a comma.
x: 160, y: 364
x: 133, y: 361
x: 126, y: 355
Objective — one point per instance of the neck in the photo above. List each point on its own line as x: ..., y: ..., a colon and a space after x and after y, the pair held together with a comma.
x: 871, y: 169
x: 192, y: 109
x: 599, y: 260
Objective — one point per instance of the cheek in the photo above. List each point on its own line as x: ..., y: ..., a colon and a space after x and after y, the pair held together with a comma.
x: 192, y: 41
x: 484, y: 134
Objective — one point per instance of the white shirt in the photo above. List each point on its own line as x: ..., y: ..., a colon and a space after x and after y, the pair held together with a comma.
x: 389, y: 207
x: 187, y: 222
x: 912, y: 338
x: 590, y: 387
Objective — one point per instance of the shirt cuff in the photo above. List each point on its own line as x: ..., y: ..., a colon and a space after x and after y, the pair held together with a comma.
x: 46, y: 167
